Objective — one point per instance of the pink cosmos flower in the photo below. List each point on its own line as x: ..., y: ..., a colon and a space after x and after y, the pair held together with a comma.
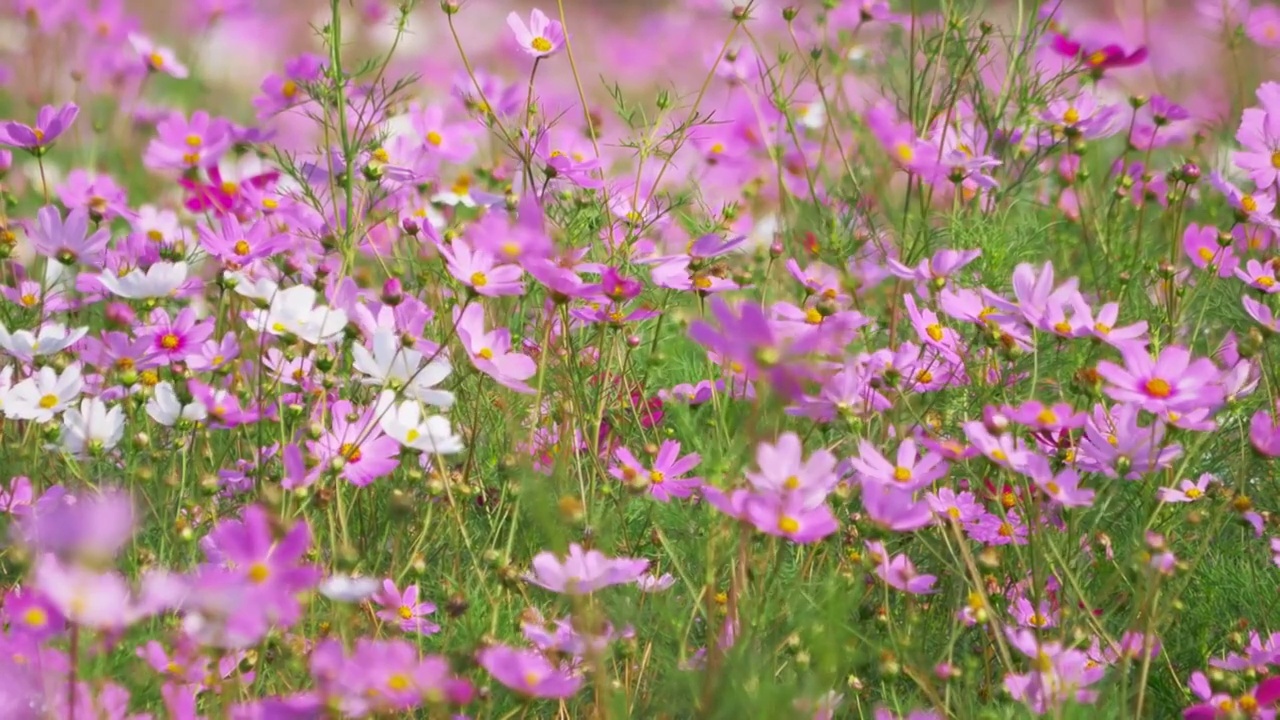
x: 68, y: 241
x: 490, y: 352
x: 911, y: 471
x: 1187, y: 491
x: 156, y: 58
x: 480, y: 272
x: 1259, y: 135
x: 947, y: 503
x: 51, y: 122
x: 1171, y: 381
x: 528, y: 672
x: 898, y: 571
x: 358, y: 449
x: 787, y: 515
x: 541, y: 38
x: 405, y: 610
x: 665, y: 480
x: 583, y: 571
x: 782, y: 468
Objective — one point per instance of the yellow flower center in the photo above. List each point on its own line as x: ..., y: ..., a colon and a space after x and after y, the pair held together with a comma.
x: 169, y: 341
x: 657, y: 477
x: 259, y: 572
x: 1275, y: 160
x: 510, y: 248
x: 702, y: 282
x: 901, y: 474
x: 532, y: 678
x: 241, y: 248
x: 1205, y: 254
x: 934, y: 332
x: 381, y: 155
x: 412, y: 435
x: 191, y: 158
x: 1053, y: 487
x: 29, y: 300
x: 1158, y: 388
x: 434, y: 138
x: 1266, y: 281
x: 156, y: 60
x: 173, y: 668
x: 289, y: 89
x: 194, y: 140
x: 478, y: 279
x: 812, y: 316
x: 717, y: 148
x: 405, y: 612
x: 999, y: 455
x: 398, y: 682
x: 229, y: 187
x: 48, y: 401
x: 1193, y: 493
x: 485, y: 353
x: 1071, y: 116
x: 1062, y: 326
x: 35, y: 617
x: 1006, y: 530
x: 351, y: 452
x: 541, y: 44
x: 155, y: 235
x: 924, y: 376
x: 791, y: 483
x: 150, y: 378
x: 788, y: 525
x: 905, y: 152
x: 1047, y: 417
x: 1097, y: 58
x: 1248, y: 204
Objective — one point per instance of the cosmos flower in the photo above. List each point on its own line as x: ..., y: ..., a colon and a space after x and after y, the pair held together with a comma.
x: 541, y: 38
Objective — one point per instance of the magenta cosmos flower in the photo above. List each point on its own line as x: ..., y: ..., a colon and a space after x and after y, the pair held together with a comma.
x: 1170, y: 382
x: 405, y: 610
x: 541, y: 37
x: 51, y: 122
x: 665, y: 479
x: 583, y: 571
x: 527, y: 672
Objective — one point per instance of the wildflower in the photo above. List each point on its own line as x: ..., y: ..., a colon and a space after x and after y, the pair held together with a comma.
x: 490, y: 352
x: 910, y: 471
x: 583, y: 571
x: 1259, y: 135
x: 92, y: 428
x: 665, y: 480
x: 744, y: 337
x: 48, y: 339
x: 479, y: 271
x: 950, y: 505
x: 391, y: 364
x: 651, y: 583
x: 996, y: 530
x: 1097, y: 57
x: 1203, y: 249
x: 293, y: 311
x: 1263, y: 26
x: 98, y: 600
x: 1187, y: 491
x: 541, y: 38
x: 280, y: 92
x: 182, y: 144
x: 898, y: 571
x: 44, y: 395
x: 404, y: 609
x: 1172, y: 381
x: 51, y: 122
x: 355, y: 445
x: 406, y: 425
x: 157, y: 59
x: 160, y: 280
x: 68, y: 241
x: 527, y: 672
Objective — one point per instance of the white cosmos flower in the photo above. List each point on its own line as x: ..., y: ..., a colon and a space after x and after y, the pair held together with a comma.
x: 346, y: 588
x: 44, y: 395
x: 263, y: 288
x: 293, y: 311
x: 50, y: 338
x: 6, y: 384
x: 165, y: 408
x: 393, y: 365
x: 93, y: 426
x: 160, y: 280
x: 405, y: 423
